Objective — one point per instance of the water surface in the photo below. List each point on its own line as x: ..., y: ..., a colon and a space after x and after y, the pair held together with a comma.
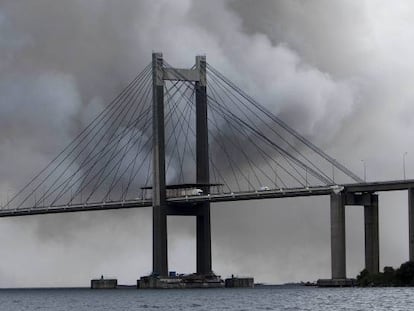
x: 266, y: 298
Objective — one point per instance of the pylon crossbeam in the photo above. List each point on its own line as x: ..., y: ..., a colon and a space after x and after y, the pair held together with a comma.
x: 176, y: 74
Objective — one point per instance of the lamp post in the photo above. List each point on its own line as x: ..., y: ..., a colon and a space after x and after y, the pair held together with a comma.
x: 276, y: 177
x: 365, y: 170
x: 306, y: 176
x: 404, y: 155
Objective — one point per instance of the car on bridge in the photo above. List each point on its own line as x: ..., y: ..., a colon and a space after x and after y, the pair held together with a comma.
x: 336, y: 188
x: 191, y: 192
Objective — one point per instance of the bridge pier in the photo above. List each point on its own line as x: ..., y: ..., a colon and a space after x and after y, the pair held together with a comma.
x: 204, y: 240
x: 411, y: 223
x: 371, y: 235
x: 338, y: 238
x: 338, y: 255
x: 159, y: 249
x: 371, y: 231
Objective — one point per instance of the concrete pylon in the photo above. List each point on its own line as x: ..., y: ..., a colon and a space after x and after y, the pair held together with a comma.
x: 159, y: 227
x: 161, y: 208
x: 202, y: 171
x: 371, y: 235
x: 338, y: 255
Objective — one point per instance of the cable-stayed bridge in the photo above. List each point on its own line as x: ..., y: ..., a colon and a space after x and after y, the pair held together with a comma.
x: 180, y: 139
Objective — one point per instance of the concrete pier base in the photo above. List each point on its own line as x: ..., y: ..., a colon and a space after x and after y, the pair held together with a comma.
x: 235, y: 282
x: 104, y: 283
x: 183, y: 281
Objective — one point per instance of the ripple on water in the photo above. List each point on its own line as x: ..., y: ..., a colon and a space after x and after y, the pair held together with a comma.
x: 266, y: 298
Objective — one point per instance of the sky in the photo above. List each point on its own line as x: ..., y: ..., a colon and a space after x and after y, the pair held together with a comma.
x: 339, y: 72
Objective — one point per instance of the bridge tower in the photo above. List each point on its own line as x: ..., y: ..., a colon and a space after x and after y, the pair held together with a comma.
x: 161, y: 208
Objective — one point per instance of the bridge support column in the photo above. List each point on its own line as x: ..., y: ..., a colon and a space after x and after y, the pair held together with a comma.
x: 202, y: 173
x: 159, y: 225
x: 371, y: 235
x: 204, y: 240
x: 159, y: 250
x: 338, y: 255
x: 411, y: 222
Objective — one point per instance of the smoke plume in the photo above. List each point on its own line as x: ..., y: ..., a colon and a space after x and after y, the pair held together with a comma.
x: 338, y: 72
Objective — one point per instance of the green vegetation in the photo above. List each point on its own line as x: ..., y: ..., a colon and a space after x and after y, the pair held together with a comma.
x: 403, y: 276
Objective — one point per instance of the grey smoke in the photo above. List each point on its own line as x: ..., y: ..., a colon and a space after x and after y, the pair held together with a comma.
x: 339, y: 72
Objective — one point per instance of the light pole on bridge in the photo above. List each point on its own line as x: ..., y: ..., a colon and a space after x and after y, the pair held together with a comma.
x: 404, y: 155
x: 276, y: 176
x: 365, y: 170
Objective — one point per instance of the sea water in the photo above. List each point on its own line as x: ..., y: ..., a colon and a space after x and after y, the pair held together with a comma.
x: 260, y: 298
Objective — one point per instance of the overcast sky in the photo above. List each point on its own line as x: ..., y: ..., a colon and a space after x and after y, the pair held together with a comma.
x: 340, y: 72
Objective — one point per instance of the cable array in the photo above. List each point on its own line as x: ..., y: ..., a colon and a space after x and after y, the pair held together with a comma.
x: 111, y: 159
x: 266, y: 152
x: 250, y: 148
x: 106, y: 161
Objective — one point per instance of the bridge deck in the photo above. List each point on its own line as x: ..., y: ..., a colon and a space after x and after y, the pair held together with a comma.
x: 378, y: 186
x: 218, y: 197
